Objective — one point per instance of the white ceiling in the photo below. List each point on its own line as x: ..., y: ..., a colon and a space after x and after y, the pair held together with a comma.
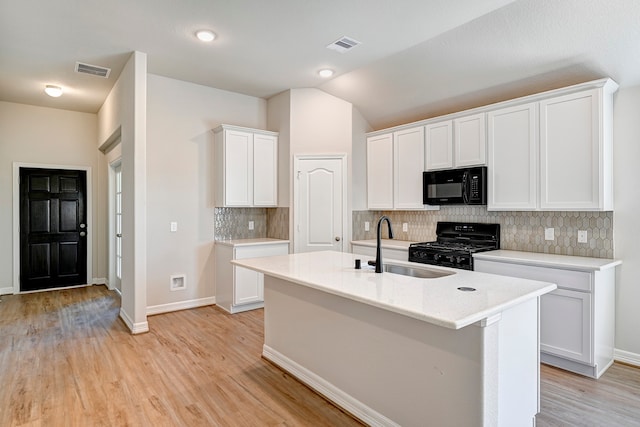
x: 418, y: 58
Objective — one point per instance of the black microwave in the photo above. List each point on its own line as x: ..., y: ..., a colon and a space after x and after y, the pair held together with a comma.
x: 466, y: 186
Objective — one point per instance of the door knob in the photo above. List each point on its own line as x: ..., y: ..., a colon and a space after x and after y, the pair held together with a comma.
x: 337, y: 238
x: 82, y: 225
x: 82, y: 234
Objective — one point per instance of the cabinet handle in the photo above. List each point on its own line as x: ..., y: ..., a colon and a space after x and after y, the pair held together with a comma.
x: 337, y: 238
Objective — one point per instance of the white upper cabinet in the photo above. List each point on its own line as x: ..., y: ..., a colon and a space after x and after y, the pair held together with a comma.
x: 547, y: 151
x: 408, y: 163
x: 246, y: 167
x: 265, y: 170
x: 439, y: 145
x: 380, y: 171
x: 513, y: 158
x: 576, y: 152
x: 456, y: 143
x: 395, y: 163
x: 470, y: 143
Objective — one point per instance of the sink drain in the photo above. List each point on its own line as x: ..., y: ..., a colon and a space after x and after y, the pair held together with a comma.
x: 466, y: 289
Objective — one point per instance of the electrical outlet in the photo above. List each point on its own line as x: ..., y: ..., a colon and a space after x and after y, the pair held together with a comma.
x: 251, y: 225
x: 582, y: 236
x: 366, y: 226
x: 549, y: 234
x: 173, y: 226
x: 405, y: 227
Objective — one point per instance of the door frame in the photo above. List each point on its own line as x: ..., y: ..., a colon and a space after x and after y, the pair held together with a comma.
x: 346, y: 229
x: 16, y: 218
x: 111, y: 241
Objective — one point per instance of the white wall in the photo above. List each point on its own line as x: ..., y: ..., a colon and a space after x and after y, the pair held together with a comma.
x: 279, y: 120
x: 626, y: 229
x: 180, y: 184
x: 49, y: 136
x: 359, y: 150
x: 125, y: 108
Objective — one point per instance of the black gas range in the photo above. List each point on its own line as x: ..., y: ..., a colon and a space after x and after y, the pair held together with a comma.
x: 456, y: 243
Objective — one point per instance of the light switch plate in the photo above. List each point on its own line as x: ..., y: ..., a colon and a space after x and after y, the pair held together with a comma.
x: 582, y: 236
x: 366, y: 226
x: 173, y: 226
x: 405, y: 227
x: 251, y: 225
x: 549, y: 234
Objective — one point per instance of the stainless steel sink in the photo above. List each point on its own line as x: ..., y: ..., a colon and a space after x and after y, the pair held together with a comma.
x: 421, y: 273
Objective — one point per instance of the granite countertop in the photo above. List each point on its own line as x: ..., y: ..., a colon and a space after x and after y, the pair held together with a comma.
x: 568, y: 262
x: 386, y: 243
x: 437, y: 301
x: 250, y: 242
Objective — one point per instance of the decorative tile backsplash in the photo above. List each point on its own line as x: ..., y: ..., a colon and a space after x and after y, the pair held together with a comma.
x: 520, y: 231
x: 278, y: 223
x: 233, y: 223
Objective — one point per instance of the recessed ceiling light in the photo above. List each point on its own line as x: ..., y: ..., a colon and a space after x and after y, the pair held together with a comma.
x: 325, y: 73
x: 205, y: 35
x: 53, y: 91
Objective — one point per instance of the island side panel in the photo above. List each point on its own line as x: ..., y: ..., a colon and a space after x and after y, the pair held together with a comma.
x: 406, y: 370
x: 519, y: 364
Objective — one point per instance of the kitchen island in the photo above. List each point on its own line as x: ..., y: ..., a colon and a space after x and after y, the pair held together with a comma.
x: 459, y: 350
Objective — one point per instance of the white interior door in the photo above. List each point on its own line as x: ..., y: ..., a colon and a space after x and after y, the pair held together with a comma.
x: 319, y: 203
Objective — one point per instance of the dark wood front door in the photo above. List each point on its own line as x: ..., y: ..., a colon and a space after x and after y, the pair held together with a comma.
x: 53, y: 242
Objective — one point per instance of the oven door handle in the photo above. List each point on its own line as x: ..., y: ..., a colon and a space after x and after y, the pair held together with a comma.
x: 465, y: 195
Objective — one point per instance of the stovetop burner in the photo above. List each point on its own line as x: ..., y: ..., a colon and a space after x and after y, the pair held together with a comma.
x: 455, y: 244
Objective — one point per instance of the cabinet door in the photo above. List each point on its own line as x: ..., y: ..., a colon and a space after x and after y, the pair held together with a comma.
x: 408, y: 168
x: 565, y: 324
x: 570, y: 152
x: 238, y: 168
x: 265, y: 170
x: 470, y: 146
x: 380, y: 172
x: 439, y: 145
x: 249, y: 286
x: 513, y: 158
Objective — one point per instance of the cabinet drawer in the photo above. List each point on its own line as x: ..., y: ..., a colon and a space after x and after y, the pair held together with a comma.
x: 243, y: 252
x: 565, y: 279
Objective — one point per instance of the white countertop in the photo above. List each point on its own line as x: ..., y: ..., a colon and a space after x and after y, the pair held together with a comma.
x: 250, y: 242
x: 385, y: 243
x: 437, y: 301
x: 548, y: 260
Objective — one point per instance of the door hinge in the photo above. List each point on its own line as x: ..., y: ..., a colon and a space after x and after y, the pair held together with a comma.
x: 299, y: 172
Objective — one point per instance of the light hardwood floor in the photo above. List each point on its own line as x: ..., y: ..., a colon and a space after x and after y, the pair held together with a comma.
x: 67, y: 360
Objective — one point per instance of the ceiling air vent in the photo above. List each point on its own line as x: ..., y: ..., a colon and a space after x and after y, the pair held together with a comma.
x: 343, y: 44
x: 93, y: 70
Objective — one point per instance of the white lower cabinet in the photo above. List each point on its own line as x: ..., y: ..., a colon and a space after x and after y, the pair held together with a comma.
x: 577, y: 320
x: 565, y: 324
x: 237, y: 288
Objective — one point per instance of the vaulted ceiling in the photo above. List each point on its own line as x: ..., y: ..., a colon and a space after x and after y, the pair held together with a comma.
x: 417, y: 58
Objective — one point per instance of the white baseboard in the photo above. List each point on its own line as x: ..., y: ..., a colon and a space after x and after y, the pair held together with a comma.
x: 328, y: 390
x: 626, y: 357
x: 135, y: 328
x: 100, y: 281
x: 181, y: 305
x: 6, y: 291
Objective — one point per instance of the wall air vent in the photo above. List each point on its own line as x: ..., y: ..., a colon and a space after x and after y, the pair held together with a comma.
x: 343, y: 44
x: 93, y: 70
